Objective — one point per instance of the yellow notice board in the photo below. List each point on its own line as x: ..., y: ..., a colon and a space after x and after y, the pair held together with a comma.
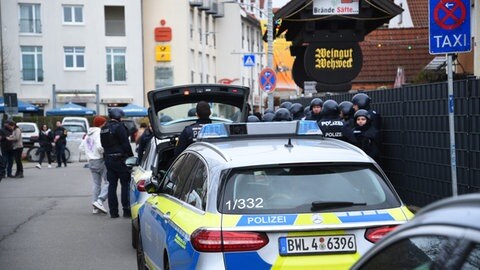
x: 163, y: 53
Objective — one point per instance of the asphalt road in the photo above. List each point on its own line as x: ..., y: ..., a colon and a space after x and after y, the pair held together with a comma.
x: 46, y: 222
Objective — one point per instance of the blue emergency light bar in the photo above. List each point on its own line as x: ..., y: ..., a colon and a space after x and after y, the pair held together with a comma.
x: 226, y: 130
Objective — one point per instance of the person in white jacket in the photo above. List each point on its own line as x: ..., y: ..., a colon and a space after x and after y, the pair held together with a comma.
x: 93, y: 149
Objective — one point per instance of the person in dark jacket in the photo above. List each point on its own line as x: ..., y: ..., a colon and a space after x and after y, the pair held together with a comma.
x: 116, y: 149
x: 190, y: 133
x: 60, y: 140
x: 143, y: 141
x: 316, y: 106
x: 17, y: 144
x: 362, y: 101
x: 7, y: 149
x: 366, y: 134
x: 332, y: 125
x: 45, y: 140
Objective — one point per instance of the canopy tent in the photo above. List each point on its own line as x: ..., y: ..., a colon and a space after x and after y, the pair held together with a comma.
x: 22, y: 106
x: 71, y: 109
x: 132, y: 110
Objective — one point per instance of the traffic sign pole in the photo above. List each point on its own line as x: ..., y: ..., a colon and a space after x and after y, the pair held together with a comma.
x: 451, y: 125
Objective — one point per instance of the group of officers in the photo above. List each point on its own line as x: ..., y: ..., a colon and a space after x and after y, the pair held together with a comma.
x: 352, y: 121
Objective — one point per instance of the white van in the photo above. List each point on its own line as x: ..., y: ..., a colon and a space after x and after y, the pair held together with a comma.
x: 76, y: 120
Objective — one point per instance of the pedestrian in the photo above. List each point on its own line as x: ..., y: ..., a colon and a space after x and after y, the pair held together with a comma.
x: 7, y: 148
x: 92, y: 146
x: 190, y: 133
x: 116, y: 149
x: 45, y: 140
x: 17, y: 144
x: 60, y: 140
x: 366, y: 134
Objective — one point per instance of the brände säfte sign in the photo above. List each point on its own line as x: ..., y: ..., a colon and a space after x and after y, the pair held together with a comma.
x: 335, y: 7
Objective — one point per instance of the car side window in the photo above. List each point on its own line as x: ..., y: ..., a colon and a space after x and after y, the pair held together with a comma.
x: 180, y: 174
x: 170, y: 181
x: 146, y: 157
x: 197, y: 193
x: 418, y: 252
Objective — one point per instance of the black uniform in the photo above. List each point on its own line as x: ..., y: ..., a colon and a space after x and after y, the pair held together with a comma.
x: 116, y: 147
x: 332, y: 126
x: 189, y: 135
x: 45, y: 139
x: 60, y: 138
x: 367, y: 137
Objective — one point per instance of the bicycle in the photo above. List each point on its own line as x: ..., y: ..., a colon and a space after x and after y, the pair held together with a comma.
x: 33, y: 154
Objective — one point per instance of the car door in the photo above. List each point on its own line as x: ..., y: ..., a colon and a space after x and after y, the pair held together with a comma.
x: 157, y: 229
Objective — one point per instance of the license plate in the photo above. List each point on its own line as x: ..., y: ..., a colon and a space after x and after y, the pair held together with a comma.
x: 317, y: 244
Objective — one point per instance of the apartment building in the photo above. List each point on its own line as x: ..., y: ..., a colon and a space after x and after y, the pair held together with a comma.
x: 85, y: 52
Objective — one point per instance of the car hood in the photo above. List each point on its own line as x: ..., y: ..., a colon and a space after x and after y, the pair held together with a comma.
x: 161, y: 99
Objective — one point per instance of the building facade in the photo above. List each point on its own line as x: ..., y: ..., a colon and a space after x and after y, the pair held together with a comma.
x: 85, y: 52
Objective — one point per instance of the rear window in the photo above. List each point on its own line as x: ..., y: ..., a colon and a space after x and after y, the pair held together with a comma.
x: 27, y: 128
x: 306, y: 189
x: 184, y: 112
x: 74, y: 128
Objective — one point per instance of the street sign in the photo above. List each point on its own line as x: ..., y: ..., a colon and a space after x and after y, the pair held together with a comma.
x: 449, y: 26
x: 249, y: 60
x: 268, y: 80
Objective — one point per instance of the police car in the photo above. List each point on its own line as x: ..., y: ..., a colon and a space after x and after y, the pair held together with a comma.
x: 266, y: 196
x: 169, y: 115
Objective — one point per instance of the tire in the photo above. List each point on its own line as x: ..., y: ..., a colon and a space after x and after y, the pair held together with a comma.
x: 33, y: 154
x: 134, y: 236
x: 140, y: 255
x: 67, y: 154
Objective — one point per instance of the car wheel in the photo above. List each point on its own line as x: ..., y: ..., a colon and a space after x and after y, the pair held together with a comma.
x: 134, y: 236
x: 67, y: 154
x: 33, y: 154
x: 140, y: 255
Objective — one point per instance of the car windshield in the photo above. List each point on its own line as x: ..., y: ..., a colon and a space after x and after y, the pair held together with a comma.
x: 74, y: 128
x: 306, y: 189
x: 26, y: 128
x: 186, y: 112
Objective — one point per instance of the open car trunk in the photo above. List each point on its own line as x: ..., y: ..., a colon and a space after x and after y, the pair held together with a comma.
x: 169, y: 107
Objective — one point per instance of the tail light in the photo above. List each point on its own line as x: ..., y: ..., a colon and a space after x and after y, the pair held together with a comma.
x: 141, y: 185
x: 375, y: 234
x: 227, y: 241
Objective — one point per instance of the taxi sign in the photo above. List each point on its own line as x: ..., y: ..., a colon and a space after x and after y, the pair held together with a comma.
x: 268, y: 80
x: 449, y: 26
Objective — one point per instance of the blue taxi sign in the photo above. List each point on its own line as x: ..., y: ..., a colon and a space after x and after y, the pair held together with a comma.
x: 449, y: 26
x: 268, y: 80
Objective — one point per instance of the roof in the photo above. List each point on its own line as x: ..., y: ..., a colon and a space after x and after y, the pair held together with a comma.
x: 273, y: 150
x: 384, y: 50
x: 418, y: 12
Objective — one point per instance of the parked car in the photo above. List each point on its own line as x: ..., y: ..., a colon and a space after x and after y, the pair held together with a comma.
x: 76, y: 131
x: 78, y: 120
x: 30, y: 132
x: 266, y: 196
x: 443, y: 235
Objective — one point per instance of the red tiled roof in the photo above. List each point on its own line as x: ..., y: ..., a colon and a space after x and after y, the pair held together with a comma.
x: 386, y: 49
x: 419, y: 12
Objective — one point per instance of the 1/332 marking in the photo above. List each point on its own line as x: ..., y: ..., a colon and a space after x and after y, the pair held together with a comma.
x: 249, y: 203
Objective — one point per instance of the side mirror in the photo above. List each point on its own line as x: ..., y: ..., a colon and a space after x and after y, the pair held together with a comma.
x: 131, y: 162
x: 152, y: 185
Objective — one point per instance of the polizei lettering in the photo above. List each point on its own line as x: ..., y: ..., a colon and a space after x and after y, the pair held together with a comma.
x: 260, y: 220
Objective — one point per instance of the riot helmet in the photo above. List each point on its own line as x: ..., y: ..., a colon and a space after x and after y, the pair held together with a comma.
x: 286, y: 105
x: 116, y: 114
x: 362, y: 112
x: 346, y: 108
x: 316, y: 102
x: 297, y: 111
x: 253, y: 118
x: 362, y: 101
x: 330, y: 107
x: 268, y: 117
x: 269, y: 111
x: 282, y: 114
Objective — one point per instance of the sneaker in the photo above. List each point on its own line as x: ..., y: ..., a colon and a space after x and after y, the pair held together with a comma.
x: 49, y: 166
x: 95, y: 211
x: 38, y: 166
x: 99, y: 205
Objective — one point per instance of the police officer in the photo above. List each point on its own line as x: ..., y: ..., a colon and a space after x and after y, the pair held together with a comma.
x: 282, y: 114
x: 116, y: 146
x: 367, y: 136
x: 190, y: 133
x: 362, y: 101
x: 346, y: 113
x: 332, y: 125
x: 296, y: 110
x: 315, y: 110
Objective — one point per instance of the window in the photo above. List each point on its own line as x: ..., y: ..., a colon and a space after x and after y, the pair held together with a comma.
x: 197, y: 193
x: 32, y: 63
x: 178, y: 175
x: 294, y: 189
x: 74, y: 57
x: 30, y: 18
x: 73, y: 14
x: 114, y: 21
x: 116, y: 71
x: 163, y: 77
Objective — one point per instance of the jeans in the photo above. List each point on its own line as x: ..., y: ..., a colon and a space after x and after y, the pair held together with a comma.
x: 8, y: 158
x: 60, y: 152
x: 116, y: 169
x: 99, y: 175
x: 17, y: 154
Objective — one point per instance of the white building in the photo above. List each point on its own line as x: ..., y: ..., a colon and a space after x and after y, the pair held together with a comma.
x: 86, y: 52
